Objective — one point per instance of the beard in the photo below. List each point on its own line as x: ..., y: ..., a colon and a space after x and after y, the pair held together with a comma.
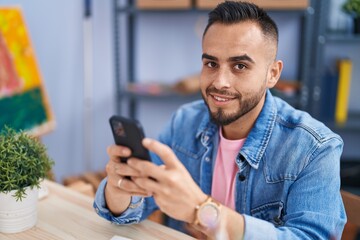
x: 220, y: 117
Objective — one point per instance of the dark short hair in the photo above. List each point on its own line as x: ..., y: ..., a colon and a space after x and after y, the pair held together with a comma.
x: 230, y: 12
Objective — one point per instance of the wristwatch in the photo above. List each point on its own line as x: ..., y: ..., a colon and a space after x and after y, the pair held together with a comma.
x: 207, y: 214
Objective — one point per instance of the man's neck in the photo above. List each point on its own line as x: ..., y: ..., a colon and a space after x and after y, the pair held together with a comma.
x: 238, y: 129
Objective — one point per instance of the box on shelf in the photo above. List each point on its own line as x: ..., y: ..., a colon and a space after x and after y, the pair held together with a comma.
x: 267, y: 4
x: 163, y: 4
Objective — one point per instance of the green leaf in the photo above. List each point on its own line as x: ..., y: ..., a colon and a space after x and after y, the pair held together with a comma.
x: 23, y: 162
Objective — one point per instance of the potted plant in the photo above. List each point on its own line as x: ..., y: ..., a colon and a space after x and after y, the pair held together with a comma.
x: 352, y: 7
x: 24, y: 163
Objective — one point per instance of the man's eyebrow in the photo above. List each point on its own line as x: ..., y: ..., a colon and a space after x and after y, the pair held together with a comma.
x: 207, y: 56
x: 241, y: 58
x: 244, y: 57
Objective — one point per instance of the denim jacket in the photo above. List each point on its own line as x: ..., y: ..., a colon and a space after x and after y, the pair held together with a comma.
x: 288, y: 177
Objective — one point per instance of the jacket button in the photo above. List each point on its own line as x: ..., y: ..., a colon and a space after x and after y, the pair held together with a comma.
x: 242, y: 178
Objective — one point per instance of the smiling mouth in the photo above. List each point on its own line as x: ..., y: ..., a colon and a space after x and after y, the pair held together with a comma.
x: 222, y: 99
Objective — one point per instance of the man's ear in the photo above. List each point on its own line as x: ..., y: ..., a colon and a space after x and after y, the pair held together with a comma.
x: 274, y: 73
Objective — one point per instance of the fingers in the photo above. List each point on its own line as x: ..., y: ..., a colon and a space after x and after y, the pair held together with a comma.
x: 116, y: 167
x: 124, y: 169
x: 149, y: 169
x: 115, y: 152
x: 140, y: 171
x: 120, y: 169
x: 150, y: 186
x: 123, y: 184
x: 126, y: 185
x: 163, y: 151
x: 116, y: 172
x: 145, y: 168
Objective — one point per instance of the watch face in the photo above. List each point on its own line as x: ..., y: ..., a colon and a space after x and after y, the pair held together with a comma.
x: 209, y: 215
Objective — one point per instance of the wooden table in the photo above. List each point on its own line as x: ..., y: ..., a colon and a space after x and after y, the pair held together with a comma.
x: 66, y: 214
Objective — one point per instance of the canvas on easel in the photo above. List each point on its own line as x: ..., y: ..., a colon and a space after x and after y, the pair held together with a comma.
x: 24, y: 104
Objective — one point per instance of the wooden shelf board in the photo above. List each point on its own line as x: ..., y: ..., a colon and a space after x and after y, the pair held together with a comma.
x: 162, y: 4
x: 266, y: 4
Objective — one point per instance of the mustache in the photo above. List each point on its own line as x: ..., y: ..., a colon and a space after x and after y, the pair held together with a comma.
x: 212, y: 89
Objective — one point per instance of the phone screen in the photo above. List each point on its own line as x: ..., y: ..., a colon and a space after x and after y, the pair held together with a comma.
x: 128, y: 132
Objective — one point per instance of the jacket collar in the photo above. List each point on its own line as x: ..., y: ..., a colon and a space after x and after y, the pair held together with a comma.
x: 206, y: 127
x: 259, y: 136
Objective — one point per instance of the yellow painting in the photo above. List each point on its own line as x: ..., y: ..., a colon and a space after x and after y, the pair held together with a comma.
x: 24, y: 104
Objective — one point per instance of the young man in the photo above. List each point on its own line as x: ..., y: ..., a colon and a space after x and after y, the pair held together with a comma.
x: 272, y: 171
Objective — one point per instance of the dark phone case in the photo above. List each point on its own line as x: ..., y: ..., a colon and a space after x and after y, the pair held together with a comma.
x: 128, y: 132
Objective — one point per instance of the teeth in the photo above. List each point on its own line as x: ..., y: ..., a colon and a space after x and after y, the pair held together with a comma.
x: 220, y: 99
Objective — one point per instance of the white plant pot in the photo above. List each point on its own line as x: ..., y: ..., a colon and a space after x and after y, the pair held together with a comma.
x: 18, y: 216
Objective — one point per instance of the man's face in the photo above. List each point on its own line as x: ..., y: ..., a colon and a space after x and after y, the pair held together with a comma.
x: 234, y: 75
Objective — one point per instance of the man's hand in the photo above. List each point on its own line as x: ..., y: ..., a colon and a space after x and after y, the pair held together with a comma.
x: 171, y: 185
x: 119, y: 189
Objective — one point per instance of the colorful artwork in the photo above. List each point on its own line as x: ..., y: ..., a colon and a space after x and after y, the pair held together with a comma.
x: 23, y: 101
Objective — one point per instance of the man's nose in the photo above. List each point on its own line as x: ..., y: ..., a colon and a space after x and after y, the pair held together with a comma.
x: 222, y: 79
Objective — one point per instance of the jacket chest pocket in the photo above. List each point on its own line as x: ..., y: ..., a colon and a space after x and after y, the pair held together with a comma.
x: 271, y: 212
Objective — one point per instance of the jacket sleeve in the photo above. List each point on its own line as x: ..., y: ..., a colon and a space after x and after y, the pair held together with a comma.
x: 129, y: 216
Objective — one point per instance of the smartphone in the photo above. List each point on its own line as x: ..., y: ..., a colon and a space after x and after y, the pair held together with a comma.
x: 129, y: 132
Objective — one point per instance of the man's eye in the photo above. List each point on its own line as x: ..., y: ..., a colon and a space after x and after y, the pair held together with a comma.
x: 240, y: 66
x: 211, y: 64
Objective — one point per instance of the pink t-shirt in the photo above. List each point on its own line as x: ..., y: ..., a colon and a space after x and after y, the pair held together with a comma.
x: 223, y: 183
